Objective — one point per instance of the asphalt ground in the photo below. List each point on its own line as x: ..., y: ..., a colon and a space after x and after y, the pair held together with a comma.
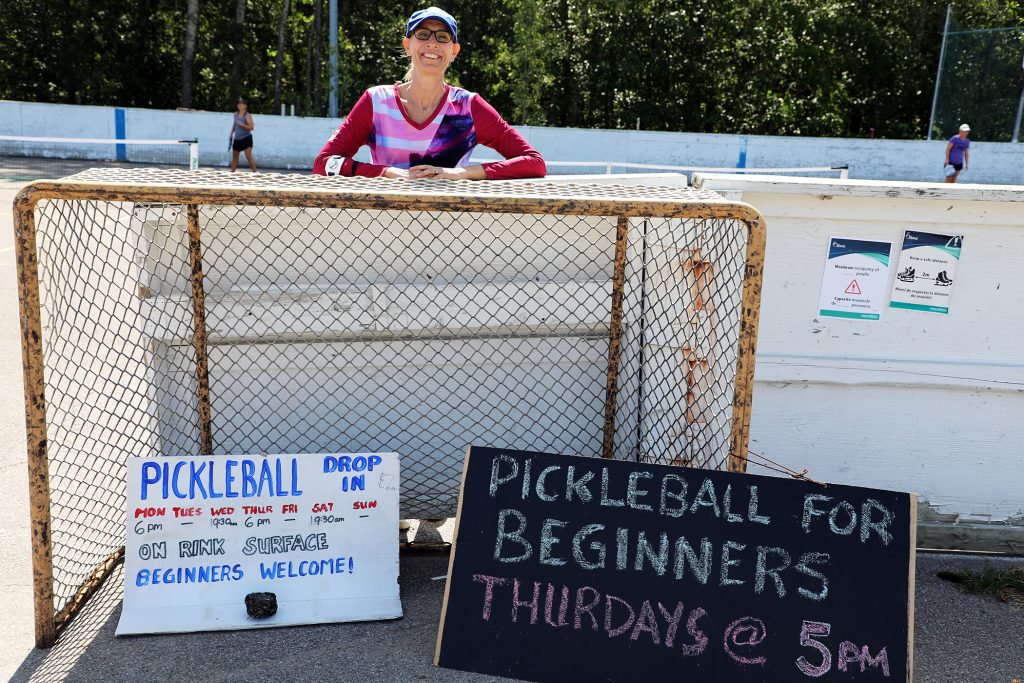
x: 959, y: 637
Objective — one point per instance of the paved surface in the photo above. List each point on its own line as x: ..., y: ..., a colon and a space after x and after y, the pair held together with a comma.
x: 960, y: 638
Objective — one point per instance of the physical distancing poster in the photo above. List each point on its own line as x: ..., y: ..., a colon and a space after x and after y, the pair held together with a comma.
x: 926, y: 271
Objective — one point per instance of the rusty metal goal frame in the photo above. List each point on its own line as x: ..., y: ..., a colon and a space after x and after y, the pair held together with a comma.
x: 209, y: 189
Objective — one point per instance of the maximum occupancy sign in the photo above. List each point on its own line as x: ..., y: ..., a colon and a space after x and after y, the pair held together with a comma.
x: 569, y: 568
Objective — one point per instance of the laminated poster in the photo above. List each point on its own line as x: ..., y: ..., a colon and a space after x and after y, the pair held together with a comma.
x: 856, y: 276
x: 926, y: 271
x: 218, y: 542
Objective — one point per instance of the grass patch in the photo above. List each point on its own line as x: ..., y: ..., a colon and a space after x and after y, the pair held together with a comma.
x: 1005, y: 584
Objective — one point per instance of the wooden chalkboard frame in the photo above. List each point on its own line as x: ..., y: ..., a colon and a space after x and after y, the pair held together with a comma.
x: 911, y: 576
x: 451, y: 558
x: 912, y: 584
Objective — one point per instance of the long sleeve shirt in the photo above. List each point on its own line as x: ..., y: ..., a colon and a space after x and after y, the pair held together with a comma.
x: 461, y: 121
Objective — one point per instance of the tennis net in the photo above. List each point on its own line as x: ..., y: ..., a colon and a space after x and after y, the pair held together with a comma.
x: 560, y: 168
x: 31, y: 158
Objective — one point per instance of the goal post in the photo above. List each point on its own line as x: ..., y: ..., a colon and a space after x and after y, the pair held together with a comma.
x: 170, y: 313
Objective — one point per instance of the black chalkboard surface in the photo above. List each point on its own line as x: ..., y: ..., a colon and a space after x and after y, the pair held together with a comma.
x: 580, y: 569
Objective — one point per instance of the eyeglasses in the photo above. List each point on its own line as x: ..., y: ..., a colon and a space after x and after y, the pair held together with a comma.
x: 424, y: 34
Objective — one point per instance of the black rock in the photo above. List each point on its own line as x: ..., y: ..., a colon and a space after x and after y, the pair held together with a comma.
x: 261, y: 605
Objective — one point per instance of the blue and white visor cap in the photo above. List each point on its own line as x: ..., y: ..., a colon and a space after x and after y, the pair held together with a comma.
x: 437, y: 13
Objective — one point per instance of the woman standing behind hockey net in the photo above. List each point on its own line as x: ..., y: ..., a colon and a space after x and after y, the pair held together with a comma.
x: 425, y: 128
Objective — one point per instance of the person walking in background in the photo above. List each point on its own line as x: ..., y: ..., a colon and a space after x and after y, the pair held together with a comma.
x: 423, y: 127
x: 957, y: 154
x: 241, y: 135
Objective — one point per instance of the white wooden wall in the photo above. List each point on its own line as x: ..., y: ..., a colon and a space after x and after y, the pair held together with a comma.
x: 917, y: 401
x: 293, y: 142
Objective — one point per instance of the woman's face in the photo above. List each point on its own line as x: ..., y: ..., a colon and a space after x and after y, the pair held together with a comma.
x: 429, y: 56
x: 242, y: 107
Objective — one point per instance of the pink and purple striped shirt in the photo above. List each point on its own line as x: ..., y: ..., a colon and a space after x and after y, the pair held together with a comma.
x: 447, y: 138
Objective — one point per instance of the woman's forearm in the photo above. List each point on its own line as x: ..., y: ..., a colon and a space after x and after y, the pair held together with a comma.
x: 475, y: 172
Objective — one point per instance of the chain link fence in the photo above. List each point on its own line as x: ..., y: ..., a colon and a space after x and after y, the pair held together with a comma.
x: 190, y: 313
x: 980, y: 82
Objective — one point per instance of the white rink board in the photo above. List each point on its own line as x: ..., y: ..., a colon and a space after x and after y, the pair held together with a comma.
x: 205, y: 531
x: 916, y: 401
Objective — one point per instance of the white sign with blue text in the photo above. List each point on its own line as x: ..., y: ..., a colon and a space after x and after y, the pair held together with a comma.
x: 318, y: 532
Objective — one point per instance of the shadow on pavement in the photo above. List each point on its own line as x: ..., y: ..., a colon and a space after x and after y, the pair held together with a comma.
x: 398, y: 650
x: 958, y: 637
x: 99, y: 616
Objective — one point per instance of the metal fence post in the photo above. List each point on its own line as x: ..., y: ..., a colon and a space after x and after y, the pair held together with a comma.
x: 199, y: 334
x: 739, y: 434
x: 615, y: 333
x: 1020, y: 111
x: 938, y: 76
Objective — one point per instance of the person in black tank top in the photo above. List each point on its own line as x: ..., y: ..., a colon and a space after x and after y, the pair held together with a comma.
x: 241, y: 135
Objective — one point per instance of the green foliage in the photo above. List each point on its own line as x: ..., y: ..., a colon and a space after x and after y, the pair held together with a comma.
x: 802, y: 67
x: 982, y: 80
x: 1007, y: 584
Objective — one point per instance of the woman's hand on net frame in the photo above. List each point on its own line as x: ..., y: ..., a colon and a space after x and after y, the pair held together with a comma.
x: 438, y: 172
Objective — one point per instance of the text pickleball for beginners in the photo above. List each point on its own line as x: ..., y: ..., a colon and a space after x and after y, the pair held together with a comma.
x: 581, y: 569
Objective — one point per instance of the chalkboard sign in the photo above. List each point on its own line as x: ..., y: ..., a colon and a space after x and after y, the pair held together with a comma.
x: 253, y: 541
x: 581, y: 569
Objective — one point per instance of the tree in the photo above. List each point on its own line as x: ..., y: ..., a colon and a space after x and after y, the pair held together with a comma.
x: 776, y: 67
x: 280, y: 56
x: 189, y: 53
x: 527, y: 60
x: 238, y: 48
x: 312, y: 91
x: 318, y: 33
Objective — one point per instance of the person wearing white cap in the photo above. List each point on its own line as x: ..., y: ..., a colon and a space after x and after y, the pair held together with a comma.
x: 957, y: 154
x: 424, y: 127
